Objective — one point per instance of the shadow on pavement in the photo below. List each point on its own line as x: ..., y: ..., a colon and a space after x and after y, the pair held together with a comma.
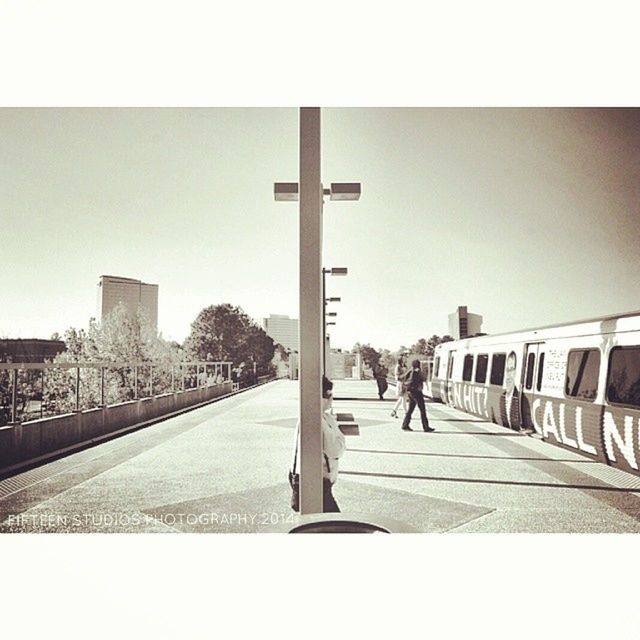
x: 550, y: 485
x: 474, y: 457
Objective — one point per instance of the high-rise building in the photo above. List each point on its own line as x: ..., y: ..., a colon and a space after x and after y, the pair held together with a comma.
x: 283, y: 330
x: 135, y: 295
x: 463, y: 324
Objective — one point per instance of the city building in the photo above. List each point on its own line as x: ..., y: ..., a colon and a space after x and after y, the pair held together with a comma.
x: 283, y: 330
x: 463, y: 324
x: 135, y: 295
x: 30, y: 350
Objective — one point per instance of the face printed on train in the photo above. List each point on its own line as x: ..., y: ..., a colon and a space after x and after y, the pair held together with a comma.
x: 510, y: 374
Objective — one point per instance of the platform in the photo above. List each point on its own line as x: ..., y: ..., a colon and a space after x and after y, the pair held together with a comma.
x: 223, y: 468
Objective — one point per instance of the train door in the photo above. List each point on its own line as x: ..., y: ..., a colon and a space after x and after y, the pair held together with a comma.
x: 448, y: 383
x: 532, y: 380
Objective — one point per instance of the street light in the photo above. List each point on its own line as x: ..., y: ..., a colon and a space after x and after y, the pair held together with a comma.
x: 344, y: 191
x: 288, y: 191
x: 334, y: 271
x: 332, y: 314
x: 310, y: 191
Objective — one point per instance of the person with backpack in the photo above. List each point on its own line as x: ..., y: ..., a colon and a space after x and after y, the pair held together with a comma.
x: 414, y: 381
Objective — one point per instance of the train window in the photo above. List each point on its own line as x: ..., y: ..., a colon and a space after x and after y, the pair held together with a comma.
x: 436, y: 367
x: 497, y: 368
x: 531, y: 365
x: 623, y: 380
x: 467, y: 368
x: 540, y: 369
x: 481, y: 368
x: 583, y: 366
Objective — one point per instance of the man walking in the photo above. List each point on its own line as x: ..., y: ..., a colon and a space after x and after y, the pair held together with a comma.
x: 380, y: 374
x: 414, y: 381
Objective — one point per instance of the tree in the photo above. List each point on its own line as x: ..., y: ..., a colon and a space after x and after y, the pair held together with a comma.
x: 387, y: 359
x: 420, y: 347
x: 224, y: 332
x: 427, y: 347
x: 370, y: 356
x: 120, y: 337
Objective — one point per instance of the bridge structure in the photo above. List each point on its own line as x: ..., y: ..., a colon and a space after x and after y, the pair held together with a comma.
x: 223, y: 467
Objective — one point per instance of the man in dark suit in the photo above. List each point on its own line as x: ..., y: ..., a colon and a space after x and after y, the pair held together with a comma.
x: 414, y: 381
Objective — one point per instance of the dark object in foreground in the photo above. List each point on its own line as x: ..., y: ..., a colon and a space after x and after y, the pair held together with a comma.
x: 348, y: 523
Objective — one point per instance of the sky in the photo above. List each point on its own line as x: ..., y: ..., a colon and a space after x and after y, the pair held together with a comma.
x: 528, y: 216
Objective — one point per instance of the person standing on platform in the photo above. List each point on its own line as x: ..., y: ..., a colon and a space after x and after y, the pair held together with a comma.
x: 380, y: 374
x: 414, y: 381
x: 333, y: 448
x: 401, y: 391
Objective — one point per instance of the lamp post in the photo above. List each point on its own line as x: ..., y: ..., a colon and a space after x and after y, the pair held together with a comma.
x: 334, y: 271
x: 310, y: 193
x: 327, y: 341
x: 326, y: 302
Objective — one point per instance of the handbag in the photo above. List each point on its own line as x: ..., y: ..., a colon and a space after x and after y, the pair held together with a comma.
x: 294, y: 481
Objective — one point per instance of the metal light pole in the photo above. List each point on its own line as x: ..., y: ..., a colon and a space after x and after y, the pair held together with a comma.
x: 311, y: 341
x: 326, y: 302
x: 334, y: 271
x: 324, y: 320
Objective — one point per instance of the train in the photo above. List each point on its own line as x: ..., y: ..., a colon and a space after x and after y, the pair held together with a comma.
x: 576, y: 385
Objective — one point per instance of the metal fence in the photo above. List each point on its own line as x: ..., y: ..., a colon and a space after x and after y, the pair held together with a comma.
x: 37, y: 390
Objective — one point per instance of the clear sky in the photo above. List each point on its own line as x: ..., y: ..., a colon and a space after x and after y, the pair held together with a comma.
x: 527, y: 216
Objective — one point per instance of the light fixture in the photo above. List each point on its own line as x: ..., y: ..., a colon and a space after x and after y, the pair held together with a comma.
x: 285, y: 191
x: 288, y: 191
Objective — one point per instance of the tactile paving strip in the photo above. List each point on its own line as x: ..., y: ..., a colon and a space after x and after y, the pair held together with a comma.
x: 610, y: 475
x: 26, y: 479
x: 597, y: 470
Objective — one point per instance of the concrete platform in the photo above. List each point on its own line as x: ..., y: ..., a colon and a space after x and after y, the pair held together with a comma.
x: 223, y: 468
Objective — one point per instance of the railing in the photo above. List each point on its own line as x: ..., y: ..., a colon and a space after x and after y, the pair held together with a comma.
x: 37, y: 390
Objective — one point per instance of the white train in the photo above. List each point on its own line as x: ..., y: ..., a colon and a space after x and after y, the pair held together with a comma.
x: 577, y: 384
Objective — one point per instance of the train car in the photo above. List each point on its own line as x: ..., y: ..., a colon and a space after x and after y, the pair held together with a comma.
x: 577, y: 384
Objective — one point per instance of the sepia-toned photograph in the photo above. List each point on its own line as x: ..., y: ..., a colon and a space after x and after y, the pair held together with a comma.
x: 319, y: 319
x: 337, y: 268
